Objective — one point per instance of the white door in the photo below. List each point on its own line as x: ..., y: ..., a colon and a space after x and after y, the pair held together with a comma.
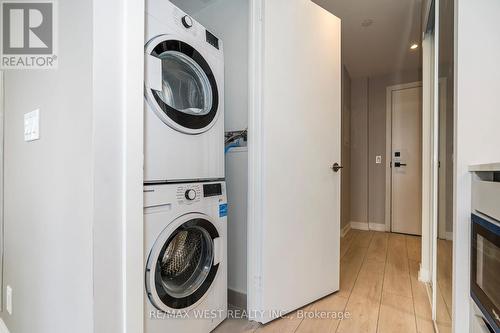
x: 407, y: 160
x: 294, y: 197
x: 1, y: 181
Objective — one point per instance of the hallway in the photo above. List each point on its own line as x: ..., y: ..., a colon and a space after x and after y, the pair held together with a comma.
x: 379, y: 288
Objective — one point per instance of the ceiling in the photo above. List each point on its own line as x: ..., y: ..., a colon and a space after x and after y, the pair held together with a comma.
x: 384, y: 46
x: 380, y: 48
x: 192, y: 6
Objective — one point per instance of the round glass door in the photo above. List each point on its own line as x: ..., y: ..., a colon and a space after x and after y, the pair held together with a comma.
x: 189, y: 99
x: 185, y: 86
x: 181, y: 267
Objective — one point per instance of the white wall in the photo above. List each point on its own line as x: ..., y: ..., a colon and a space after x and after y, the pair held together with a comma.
x: 117, y: 163
x: 237, y: 180
x: 49, y: 186
x: 476, y: 121
x: 446, y: 67
x: 368, y: 139
x: 228, y: 19
x: 73, y: 208
x: 359, y: 150
x: 345, y: 210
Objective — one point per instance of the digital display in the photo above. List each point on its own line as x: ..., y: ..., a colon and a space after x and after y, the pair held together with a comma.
x: 212, y: 190
x: 212, y: 40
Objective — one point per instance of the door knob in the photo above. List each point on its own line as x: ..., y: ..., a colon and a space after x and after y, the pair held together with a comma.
x: 336, y: 167
x: 399, y: 165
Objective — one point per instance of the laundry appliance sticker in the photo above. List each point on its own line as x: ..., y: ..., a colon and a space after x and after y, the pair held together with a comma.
x: 223, y: 210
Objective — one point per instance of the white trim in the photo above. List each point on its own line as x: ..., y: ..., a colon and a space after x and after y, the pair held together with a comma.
x: 426, y: 9
x: 368, y: 226
x: 2, y: 134
x: 255, y: 149
x: 377, y: 227
x: 424, y: 275
x: 345, y: 229
x: 427, y: 244
x: 434, y: 162
x: 449, y: 235
x: 442, y: 157
x: 359, y: 225
x: 3, y: 327
x: 133, y: 174
x: 388, y: 148
x: 118, y: 105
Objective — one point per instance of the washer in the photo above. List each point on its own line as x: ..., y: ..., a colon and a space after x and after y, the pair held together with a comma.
x: 185, y: 257
x: 184, y: 98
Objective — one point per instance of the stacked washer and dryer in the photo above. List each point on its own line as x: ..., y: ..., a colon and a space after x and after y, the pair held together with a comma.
x: 185, y: 205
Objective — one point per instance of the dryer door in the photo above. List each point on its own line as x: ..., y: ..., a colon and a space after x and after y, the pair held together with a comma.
x: 180, y: 85
x: 182, y: 264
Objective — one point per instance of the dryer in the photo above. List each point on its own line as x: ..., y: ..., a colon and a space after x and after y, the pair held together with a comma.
x: 185, y: 265
x: 184, y: 98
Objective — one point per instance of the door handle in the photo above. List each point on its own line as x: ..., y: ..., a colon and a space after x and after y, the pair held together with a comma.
x: 336, y: 167
x: 399, y: 165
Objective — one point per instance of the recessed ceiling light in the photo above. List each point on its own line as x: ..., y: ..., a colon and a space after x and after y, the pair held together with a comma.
x: 414, y: 46
x: 366, y: 23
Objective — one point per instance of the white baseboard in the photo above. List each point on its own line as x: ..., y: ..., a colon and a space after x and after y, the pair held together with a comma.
x: 368, y: 226
x: 345, y: 230
x: 449, y: 235
x: 359, y: 225
x: 3, y: 327
x: 424, y: 275
x: 378, y: 227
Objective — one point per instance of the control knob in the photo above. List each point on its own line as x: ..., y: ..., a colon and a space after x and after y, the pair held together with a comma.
x: 187, y: 22
x: 190, y: 194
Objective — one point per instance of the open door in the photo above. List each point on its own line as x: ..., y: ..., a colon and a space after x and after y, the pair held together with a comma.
x: 295, y: 140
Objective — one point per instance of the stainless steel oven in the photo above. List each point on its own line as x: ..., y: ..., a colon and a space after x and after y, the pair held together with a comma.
x: 485, y: 268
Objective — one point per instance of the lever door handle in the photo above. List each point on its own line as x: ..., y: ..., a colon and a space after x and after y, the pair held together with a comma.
x: 399, y: 165
x: 336, y: 167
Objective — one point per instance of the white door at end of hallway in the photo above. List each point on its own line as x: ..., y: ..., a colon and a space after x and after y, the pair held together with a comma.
x: 406, y: 167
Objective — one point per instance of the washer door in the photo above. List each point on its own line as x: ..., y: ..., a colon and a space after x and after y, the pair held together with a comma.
x: 183, y: 263
x: 180, y: 85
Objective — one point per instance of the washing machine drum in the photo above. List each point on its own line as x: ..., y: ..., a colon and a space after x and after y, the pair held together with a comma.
x: 181, y: 269
x: 180, y: 86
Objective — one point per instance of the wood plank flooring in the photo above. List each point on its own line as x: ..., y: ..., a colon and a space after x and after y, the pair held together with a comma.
x: 444, y: 285
x: 379, y: 288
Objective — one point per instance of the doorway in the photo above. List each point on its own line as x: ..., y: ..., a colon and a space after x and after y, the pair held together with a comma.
x: 404, y: 157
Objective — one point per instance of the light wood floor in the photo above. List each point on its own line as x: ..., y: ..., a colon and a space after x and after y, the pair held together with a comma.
x: 378, y: 287
x: 444, y: 285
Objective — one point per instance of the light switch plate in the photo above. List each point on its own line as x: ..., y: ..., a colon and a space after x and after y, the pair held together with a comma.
x: 9, y: 300
x: 32, y: 125
x: 378, y: 159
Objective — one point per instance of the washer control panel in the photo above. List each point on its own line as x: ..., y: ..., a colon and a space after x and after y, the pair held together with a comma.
x: 189, y: 193
x: 212, y: 190
x: 192, y: 193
